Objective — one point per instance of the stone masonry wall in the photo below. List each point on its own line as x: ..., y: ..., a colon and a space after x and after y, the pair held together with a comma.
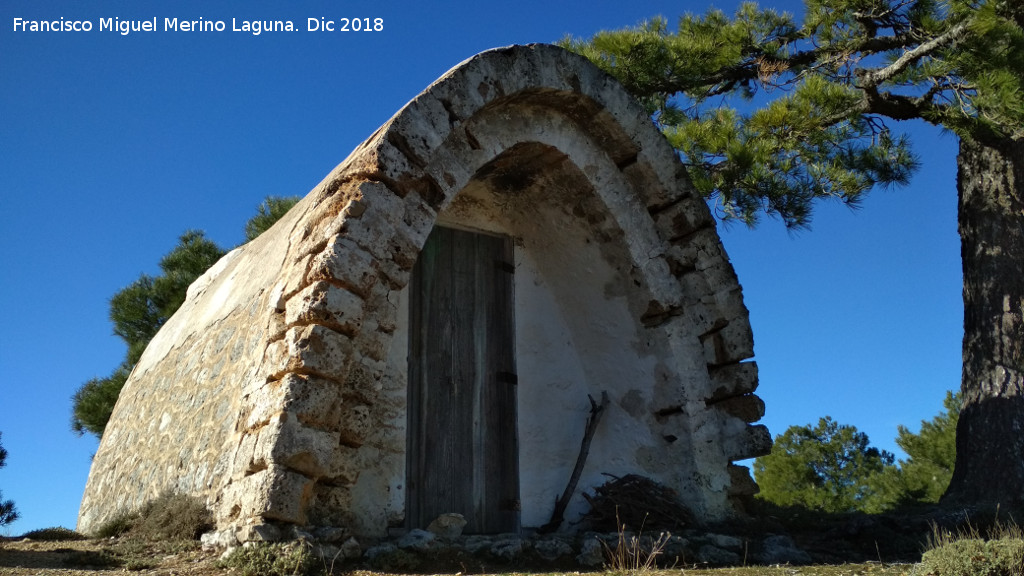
x: 269, y: 393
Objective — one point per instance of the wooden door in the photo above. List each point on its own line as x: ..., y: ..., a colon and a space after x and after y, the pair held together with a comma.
x: 462, y: 444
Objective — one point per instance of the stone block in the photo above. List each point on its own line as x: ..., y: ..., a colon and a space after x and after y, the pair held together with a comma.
x: 319, y: 350
x: 314, y: 401
x: 332, y: 505
x: 345, y: 263
x: 591, y: 553
x: 289, y: 443
x: 384, y: 234
x: 258, y: 533
x: 324, y: 303
x: 732, y: 380
x: 682, y: 219
x: 552, y: 549
x: 731, y: 344
x: 448, y: 526
x: 417, y: 539
x: 293, y: 278
x: 244, y: 457
x: 748, y: 408
x: 273, y: 493
x: 741, y: 484
x: 218, y: 540
x: 747, y: 442
x: 262, y: 402
x: 346, y: 465
x: 354, y: 423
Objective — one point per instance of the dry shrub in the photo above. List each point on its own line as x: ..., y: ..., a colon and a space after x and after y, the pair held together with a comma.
x: 173, y: 516
x: 168, y: 517
x: 634, y: 553
x: 636, y: 502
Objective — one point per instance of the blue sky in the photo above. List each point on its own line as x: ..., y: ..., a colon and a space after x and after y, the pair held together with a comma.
x: 111, y: 146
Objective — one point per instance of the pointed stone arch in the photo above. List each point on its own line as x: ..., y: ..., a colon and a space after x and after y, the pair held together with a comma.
x: 278, y: 391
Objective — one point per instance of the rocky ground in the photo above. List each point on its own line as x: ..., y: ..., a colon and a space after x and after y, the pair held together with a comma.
x: 775, y: 542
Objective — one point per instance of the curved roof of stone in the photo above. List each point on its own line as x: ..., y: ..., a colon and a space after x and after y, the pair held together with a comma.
x: 200, y: 412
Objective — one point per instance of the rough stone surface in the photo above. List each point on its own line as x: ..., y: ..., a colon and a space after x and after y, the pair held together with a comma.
x: 351, y: 549
x: 552, y: 549
x: 218, y: 540
x: 508, y: 549
x: 277, y: 392
x: 417, y: 539
x: 258, y: 533
x: 780, y: 549
x: 591, y: 553
x: 588, y: 550
x: 448, y: 526
x: 716, y: 556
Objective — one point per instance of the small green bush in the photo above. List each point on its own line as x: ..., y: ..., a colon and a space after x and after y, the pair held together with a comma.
x: 54, y: 534
x: 265, y: 559
x: 975, y: 557
x: 967, y: 553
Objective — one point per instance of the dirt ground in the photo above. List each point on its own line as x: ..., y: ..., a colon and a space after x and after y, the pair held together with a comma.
x: 100, y: 558
x: 20, y: 557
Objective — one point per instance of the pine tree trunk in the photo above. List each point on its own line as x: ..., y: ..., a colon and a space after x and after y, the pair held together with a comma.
x: 990, y: 433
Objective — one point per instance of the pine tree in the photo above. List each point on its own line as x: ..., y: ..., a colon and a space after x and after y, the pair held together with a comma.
x: 829, y: 468
x: 931, y: 454
x: 268, y: 212
x: 820, y: 96
x: 8, y: 513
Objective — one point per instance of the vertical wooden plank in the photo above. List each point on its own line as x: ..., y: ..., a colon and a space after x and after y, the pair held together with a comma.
x: 463, y: 423
x: 462, y: 451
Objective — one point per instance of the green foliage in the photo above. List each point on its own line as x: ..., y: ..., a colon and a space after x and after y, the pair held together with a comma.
x: 271, y: 210
x: 771, y: 114
x: 8, y: 513
x: 828, y: 467
x: 968, y: 554
x: 94, y: 401
x: 267, y: 559
x: 831, y: 468
x: 931, y: 453
x: 139, y: 310
x: 54, y: 534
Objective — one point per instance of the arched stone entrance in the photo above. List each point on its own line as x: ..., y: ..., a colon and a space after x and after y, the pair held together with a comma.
x: 294, y: 351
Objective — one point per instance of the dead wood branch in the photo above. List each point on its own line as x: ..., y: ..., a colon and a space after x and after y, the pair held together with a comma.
x: 596, y: 410
x: 635, y: 503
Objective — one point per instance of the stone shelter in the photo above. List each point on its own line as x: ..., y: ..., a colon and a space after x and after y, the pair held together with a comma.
x: 421, y: 333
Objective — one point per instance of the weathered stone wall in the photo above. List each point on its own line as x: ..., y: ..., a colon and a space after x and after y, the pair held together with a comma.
x: 277, y: 392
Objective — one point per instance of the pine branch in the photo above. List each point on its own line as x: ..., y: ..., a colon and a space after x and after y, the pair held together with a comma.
x: 871, y: 78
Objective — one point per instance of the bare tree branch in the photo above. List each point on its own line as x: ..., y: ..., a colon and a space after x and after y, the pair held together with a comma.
x: 870, y: 78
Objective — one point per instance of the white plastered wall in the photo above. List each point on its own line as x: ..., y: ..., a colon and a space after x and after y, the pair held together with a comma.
x: 577, y: 308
